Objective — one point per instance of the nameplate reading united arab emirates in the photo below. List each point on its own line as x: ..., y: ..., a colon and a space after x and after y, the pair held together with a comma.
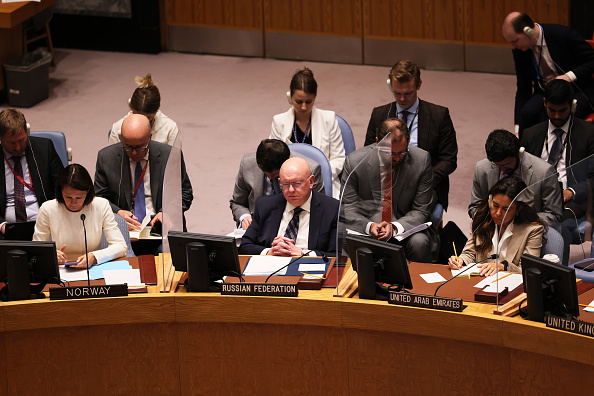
x: 424, y: 301
x: 260, y: 289
x: 93, y: 291
x: 570, y: 325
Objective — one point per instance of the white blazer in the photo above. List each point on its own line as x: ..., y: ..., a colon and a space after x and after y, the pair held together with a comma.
x: 325, y: 135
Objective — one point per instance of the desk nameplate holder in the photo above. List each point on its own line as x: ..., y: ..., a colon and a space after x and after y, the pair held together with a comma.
x: 425, y: 301
x: 570, y: 325
x: 260, y: 289
x: 93, y: 291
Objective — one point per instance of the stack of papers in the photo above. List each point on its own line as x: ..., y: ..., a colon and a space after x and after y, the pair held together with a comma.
x: 95, y: 272
x: 496, y: 283
x: 473, y: 271
x: 266, y: 265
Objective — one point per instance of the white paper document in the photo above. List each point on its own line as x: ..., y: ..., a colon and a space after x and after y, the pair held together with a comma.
x: 316, y: 276
x: 590, y: 307
x: 316, y: 267
x: 131, y: 277
x: 433, y: 277
x: 72, y: 274
x: 474, y: 270
x: 353, y: 232
x: 266, y: 265
x: 237, y: 233
x: 498, y: 282
x: 413, y: 230
x: 145, y: 230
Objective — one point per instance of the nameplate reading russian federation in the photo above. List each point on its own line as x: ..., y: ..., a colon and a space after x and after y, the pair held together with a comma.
x: 570, y: 325
x: 260, y: 289
x: 424, y: 301
x: 94, y: 291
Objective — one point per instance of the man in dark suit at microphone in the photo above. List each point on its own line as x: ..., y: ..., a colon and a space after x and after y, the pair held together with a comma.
x: 299, y: 220
x: 31, y: 168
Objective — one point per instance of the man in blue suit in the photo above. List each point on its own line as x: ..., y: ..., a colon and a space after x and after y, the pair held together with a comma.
x: 543, y: 53
x: 299, y: 221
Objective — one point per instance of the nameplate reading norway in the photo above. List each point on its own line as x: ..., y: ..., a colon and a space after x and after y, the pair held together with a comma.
x: 260, y: 289
x: 95, y: 291
x: 424, y: 301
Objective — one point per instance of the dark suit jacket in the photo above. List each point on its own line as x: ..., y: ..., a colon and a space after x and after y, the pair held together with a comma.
x: 436, y: 135
x: 112, y: 176
x: 579, y: 146
x: 44, y: 167
x: 569, y: 51
x: 269, y: 212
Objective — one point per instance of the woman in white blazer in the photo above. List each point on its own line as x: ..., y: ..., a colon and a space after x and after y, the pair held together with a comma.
x: 304, y: 123
x: 503, y: 226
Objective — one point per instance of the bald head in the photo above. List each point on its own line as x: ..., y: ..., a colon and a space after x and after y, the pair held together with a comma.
x: 515, y: 32
x: 297, y: 180
x: 136, y: 136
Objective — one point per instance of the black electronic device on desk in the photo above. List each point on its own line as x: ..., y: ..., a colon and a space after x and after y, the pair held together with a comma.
x: 378, y: 262
x: 19, y: 231
x: 551, y: 289
x: 206, y: 259
x: 23, y: 263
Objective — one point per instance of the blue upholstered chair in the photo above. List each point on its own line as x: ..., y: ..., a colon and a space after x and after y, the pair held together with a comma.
x: 317, y: 155
x: 59, y: 141
x: 347, y: 135
x: 123, y: 226
x: 553, y: 244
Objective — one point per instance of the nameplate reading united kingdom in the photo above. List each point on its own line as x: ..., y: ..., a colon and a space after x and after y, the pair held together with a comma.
x: 94, y: 291
x: 424, y: 301
x: 260, y: 289
x: 570, y: 325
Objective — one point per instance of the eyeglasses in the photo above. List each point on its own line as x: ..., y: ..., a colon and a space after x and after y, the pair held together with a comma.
x: 508, y: 164
x: 137, y: 149
x: 401, y: 154
x: 295, y: 185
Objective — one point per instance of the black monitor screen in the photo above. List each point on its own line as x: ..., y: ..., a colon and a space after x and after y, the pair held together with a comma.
x: 551, y: 288
x: 221, y: 251
x: 41, y: 256
x: 390, y: 265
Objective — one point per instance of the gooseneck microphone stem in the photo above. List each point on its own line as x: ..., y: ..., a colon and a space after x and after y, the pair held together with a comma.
x: 83, y: 217
x: 290, y: 262
x: 491, y: 257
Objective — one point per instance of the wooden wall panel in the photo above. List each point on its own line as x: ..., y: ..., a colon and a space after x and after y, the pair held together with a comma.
x: 332, y: 17
x: 419, y: 20
x: 234, y: 14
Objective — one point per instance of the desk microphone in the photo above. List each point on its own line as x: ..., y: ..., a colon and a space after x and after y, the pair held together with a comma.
x: 83, y: 217
x: 491, y: 257
x: 293, y: 261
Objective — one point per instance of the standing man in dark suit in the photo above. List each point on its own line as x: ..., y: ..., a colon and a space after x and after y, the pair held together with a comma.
x: 31, y: 168
x: 298, y: 220
x: 430, y: 125
x: 564, y: 141
x: 541, y: 54
x: 373, y: 208
x: 121, y: 165
x: 258, y: 176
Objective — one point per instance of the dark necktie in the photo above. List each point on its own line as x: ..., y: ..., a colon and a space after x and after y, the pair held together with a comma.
x: 139, y: 203
x: 405, y: 114
x: 547, y: 73
x: 275, y: 186
x: 555, y: 152
x: 387, y: 206
x: 20, y: 210
x: 293, y: 227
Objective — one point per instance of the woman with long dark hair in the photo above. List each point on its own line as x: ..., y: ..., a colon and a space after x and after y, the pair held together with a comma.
x: 503, y: 226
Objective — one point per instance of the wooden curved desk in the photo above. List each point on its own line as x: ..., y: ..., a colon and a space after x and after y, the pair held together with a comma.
x: 210, y: 344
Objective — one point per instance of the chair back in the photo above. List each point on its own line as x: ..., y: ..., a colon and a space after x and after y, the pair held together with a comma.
x: 123, y: 226
x: 59, y: 140
x: 317, y: 155
x: 553, y: 244
x: 347, y: 135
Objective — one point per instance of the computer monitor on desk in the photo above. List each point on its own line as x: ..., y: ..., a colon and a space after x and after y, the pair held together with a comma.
x: 378, y: 261
x: 23, y: 263
x: 205, y: 258
x: 550, y: 288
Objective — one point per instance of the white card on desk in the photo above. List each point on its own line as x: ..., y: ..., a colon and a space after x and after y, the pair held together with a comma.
x: 266, y: 265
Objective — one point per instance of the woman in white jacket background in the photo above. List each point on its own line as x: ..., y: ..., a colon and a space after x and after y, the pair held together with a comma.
x: 305, y: 123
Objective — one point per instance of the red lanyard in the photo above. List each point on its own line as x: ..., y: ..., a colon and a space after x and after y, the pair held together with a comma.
x: 19, y: 177
x: 140, y: 180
